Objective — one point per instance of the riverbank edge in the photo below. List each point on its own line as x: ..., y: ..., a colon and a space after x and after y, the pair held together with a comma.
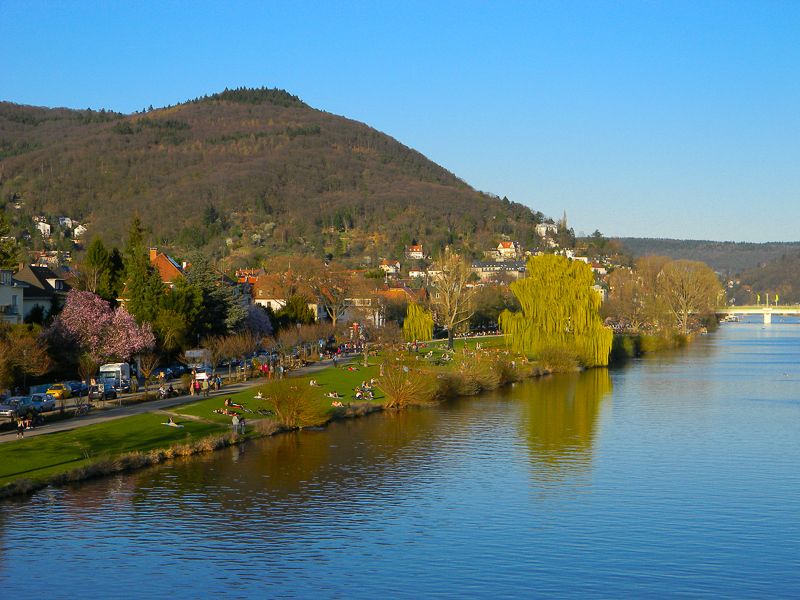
x: 137, y: 460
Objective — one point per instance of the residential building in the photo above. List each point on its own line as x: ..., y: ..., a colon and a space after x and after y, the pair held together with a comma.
x: 390, y: 267
x: 79, y: 231
x: 508, y: 250
x: 270, y: 292
x: 498, y: 270
x: 415, y: 252
x: 168, y: 268
x: 45, y: 287
x: 43, y: 228
x: 546, y: 229
x: 11, y: 298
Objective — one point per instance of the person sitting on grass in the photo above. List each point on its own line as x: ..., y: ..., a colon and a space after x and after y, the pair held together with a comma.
x: 313, y: 383
x: 333, y: 395
x: 259, y: 396
x: 337, y: 404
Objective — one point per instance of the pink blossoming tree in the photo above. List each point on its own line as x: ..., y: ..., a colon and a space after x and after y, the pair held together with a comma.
x: 103, y: 333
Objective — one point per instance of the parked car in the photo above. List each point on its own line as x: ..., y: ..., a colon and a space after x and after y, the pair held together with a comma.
x: 102, y: 391
x: 18, y: 406
x: 59, y: 391
x: 7, y: 409
x: 77, y: 388
x: 44, y: 402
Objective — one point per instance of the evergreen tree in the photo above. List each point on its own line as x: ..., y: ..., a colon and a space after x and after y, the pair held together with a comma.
x: 143, y: 287
x: 221, y: 311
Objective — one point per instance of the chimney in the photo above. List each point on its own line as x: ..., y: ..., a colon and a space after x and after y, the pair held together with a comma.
x: 153, y: 254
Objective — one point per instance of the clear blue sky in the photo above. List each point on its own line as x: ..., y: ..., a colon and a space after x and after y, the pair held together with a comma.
x: 664, y: 119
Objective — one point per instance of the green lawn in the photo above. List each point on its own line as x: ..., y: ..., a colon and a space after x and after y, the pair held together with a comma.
x: 45, y: 455
x: 341, y: 380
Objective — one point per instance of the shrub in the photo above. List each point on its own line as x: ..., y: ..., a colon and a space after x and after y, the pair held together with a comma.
x: 557, y: 358
x: 405, y: 384
x: 293, y: 404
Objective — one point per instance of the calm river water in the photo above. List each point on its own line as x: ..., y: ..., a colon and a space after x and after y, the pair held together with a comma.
x: 676, y: 475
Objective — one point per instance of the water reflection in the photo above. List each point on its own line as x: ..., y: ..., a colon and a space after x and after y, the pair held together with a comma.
x: 559, y: 421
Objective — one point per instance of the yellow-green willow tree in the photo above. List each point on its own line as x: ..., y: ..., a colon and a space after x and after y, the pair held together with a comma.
x: 418, y: 324
x: 559, y: 310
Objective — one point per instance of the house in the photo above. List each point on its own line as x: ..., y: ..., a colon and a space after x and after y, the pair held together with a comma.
x: 546, y: 229
x: 417, y: 273
x: 508, y: 250
x: 79, y: 231
x: 11, y: 298
x: 270, y: 292
x: 43, y: 228
x: 498, y: 270
x: 44, y: 287
x: 415, y: 252
x: 65, y: 222
x: 600, y: 290
x: 168, y: 268
x: 390, y: 267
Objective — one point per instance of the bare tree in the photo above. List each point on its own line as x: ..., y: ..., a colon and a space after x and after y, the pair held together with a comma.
x: 148, y: 362
x: 451, y: 300
x: 689, y: 287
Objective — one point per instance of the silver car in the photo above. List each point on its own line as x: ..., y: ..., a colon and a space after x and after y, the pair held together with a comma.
x: 44, y: 402
x: 18, y: 406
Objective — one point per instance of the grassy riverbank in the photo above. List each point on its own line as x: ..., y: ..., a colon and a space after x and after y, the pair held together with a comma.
x: 136, y: 441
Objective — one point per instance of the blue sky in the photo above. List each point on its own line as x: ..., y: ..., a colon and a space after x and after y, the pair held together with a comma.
x: 662, y: 119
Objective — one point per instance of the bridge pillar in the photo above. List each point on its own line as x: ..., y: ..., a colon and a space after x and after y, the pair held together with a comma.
x: 767, y: 316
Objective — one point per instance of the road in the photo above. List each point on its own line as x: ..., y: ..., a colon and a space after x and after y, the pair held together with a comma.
x: 118, y: 412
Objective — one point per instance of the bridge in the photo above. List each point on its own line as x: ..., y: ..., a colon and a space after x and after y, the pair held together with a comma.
x: 766, y: 311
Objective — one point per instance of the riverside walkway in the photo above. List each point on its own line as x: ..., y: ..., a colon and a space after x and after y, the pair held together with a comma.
x: 102, y: 415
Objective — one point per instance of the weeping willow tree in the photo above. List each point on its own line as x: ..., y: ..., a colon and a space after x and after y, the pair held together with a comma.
x: 418, y: 324
x: 559, y: 310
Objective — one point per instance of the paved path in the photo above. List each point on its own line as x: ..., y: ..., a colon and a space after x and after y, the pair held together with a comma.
x: 117, y: 412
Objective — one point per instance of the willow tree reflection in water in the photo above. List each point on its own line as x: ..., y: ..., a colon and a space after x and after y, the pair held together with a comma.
x: 559, y: 421
x: 682, y: 479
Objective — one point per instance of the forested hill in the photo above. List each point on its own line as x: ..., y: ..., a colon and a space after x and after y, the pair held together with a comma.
x: 250, y: 171
x: 728, y: 258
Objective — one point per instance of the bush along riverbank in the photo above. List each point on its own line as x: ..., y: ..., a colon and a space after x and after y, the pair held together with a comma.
x: 393, y: 381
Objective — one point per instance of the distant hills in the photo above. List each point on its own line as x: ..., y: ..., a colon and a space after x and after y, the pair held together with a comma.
x: 727, y: 258
x: 772, y: 268
x: 247, y: 173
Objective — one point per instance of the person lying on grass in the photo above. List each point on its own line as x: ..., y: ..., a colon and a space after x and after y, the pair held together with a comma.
x: 225, y: 411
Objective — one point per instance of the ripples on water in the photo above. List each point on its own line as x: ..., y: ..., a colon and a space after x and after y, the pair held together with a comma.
x: 675, y: 475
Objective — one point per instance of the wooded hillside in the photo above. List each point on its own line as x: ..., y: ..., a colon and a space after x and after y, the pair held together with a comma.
x: 244, y: 171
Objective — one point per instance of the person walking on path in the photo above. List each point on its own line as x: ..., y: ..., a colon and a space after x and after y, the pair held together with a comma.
x: 242, y: 425
x: 206, y: 388
x: 235, y: 423
x: 20, y: 429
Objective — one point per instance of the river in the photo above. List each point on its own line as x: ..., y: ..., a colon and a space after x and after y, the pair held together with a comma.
x: 678, y: 474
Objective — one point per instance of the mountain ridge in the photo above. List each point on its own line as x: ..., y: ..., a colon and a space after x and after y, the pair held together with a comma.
x: 256, y: 170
